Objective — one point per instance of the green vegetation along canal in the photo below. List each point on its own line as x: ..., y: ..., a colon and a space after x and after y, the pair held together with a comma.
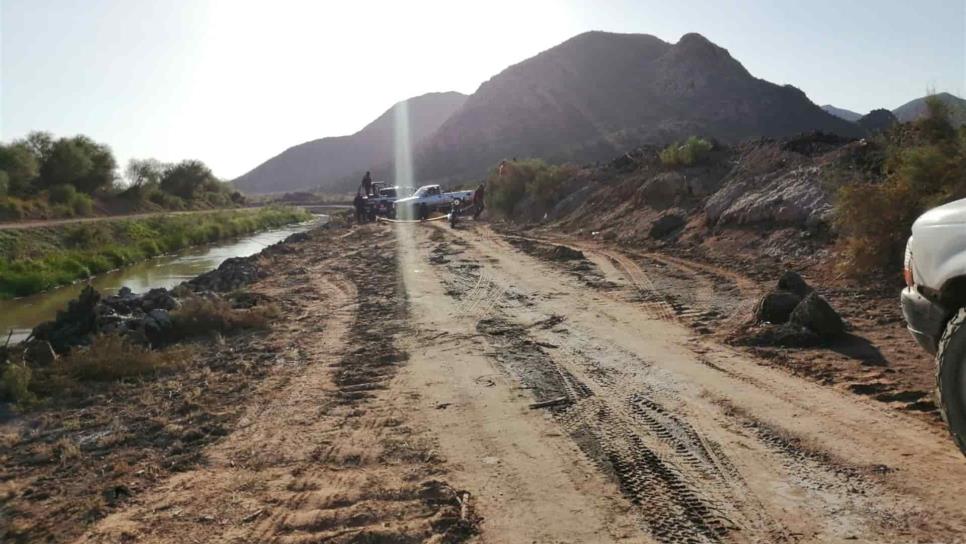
x: 22, y: 314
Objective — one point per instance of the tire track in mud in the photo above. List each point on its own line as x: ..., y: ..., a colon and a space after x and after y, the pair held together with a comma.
x: 372, y: 478
x: 670, y: 288
x: 684, y: 488
x: 328, y: 454
x: 626, y: 430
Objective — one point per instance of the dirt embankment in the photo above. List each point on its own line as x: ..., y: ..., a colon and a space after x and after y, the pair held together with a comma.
x: 284, y: 435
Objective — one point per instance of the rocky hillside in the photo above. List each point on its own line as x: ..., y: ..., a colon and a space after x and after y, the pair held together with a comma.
x: 599, y: 94
x: 877, y: 120
x: 336, y: 164
x: 842, y: 113
x: 756, y: 189
x: 914, y: 109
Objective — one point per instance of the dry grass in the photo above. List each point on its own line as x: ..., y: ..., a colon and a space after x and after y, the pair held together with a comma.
x: 203, y: 317
x: 112, y: 357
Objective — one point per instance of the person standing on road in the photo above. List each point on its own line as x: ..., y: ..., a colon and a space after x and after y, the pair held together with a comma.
x: 367, y: 183
x: 478, y: 195
x: 360, y: 204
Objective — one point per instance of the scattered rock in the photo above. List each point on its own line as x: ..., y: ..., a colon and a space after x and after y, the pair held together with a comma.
x: 160, y: 299
x: 161, y: 317
x: 776, y: 307
x: 564, y: 253
x: 786, y: 335
x: 73, y: 326
x: 141, y: 318
x: 815, y: 313
x: 233, y: 274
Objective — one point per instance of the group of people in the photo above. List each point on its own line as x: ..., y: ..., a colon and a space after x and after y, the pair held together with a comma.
x: 365, y: 213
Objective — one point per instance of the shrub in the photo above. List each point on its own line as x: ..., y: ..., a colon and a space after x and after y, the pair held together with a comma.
x: 692, y: 151
x: 10, y: 209
x: 82, y: 204
x: 15, y: 384
x: 20, y: 165
x: 926, y: 167
x: 112, y: 357
x: 4, y: 183
x: 530, y: 179
x: 88, y: 236
x: 62, y: 194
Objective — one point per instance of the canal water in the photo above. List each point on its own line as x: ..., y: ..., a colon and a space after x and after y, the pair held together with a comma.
x: 23, y: 314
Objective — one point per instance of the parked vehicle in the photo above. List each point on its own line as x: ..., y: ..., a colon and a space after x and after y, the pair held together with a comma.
x: 381, y: 203
x: 934, y: 304
x: 427, y: 199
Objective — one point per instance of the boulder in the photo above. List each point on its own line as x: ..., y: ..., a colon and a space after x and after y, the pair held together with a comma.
x: 815, y: 313
x: 792, y: 282
x: 776, y: 307
x: 666, y: 224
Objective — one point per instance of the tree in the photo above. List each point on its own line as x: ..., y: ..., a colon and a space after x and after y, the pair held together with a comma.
x: 81, y: 162
x: 141, y: 172
x: 66, y: 164
x: 20, y: 165
x: 40, y: 145
x: 187, y: 178
x: 104, y: 168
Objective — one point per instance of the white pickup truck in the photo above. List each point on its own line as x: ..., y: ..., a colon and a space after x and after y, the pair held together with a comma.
x: 426, y: 199
x: 934, y: 304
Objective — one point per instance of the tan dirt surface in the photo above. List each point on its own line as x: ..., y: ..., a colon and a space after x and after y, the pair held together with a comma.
x: 445, y: 385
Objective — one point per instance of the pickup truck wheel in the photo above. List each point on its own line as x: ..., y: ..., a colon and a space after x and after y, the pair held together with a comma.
x: 951, y: 377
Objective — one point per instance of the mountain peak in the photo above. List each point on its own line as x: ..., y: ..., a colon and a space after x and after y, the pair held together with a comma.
x: 695, y: 39
x: 600, y: 93
x: 915, y: 109
x: 328, y: 162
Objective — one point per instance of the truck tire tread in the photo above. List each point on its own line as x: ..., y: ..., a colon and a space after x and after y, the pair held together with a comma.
x: 950, y: 361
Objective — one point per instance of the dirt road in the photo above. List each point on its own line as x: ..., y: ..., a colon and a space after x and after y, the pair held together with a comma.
x: 705, y: 443
x: 441, y: 385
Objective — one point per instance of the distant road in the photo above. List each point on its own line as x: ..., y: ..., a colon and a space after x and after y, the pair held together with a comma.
x: 21, y: 225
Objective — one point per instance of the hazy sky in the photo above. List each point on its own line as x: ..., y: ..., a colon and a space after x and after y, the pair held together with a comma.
x: 234, y: 82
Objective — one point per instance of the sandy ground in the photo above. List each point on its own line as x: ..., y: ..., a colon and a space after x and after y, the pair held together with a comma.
x: 447, y: 385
